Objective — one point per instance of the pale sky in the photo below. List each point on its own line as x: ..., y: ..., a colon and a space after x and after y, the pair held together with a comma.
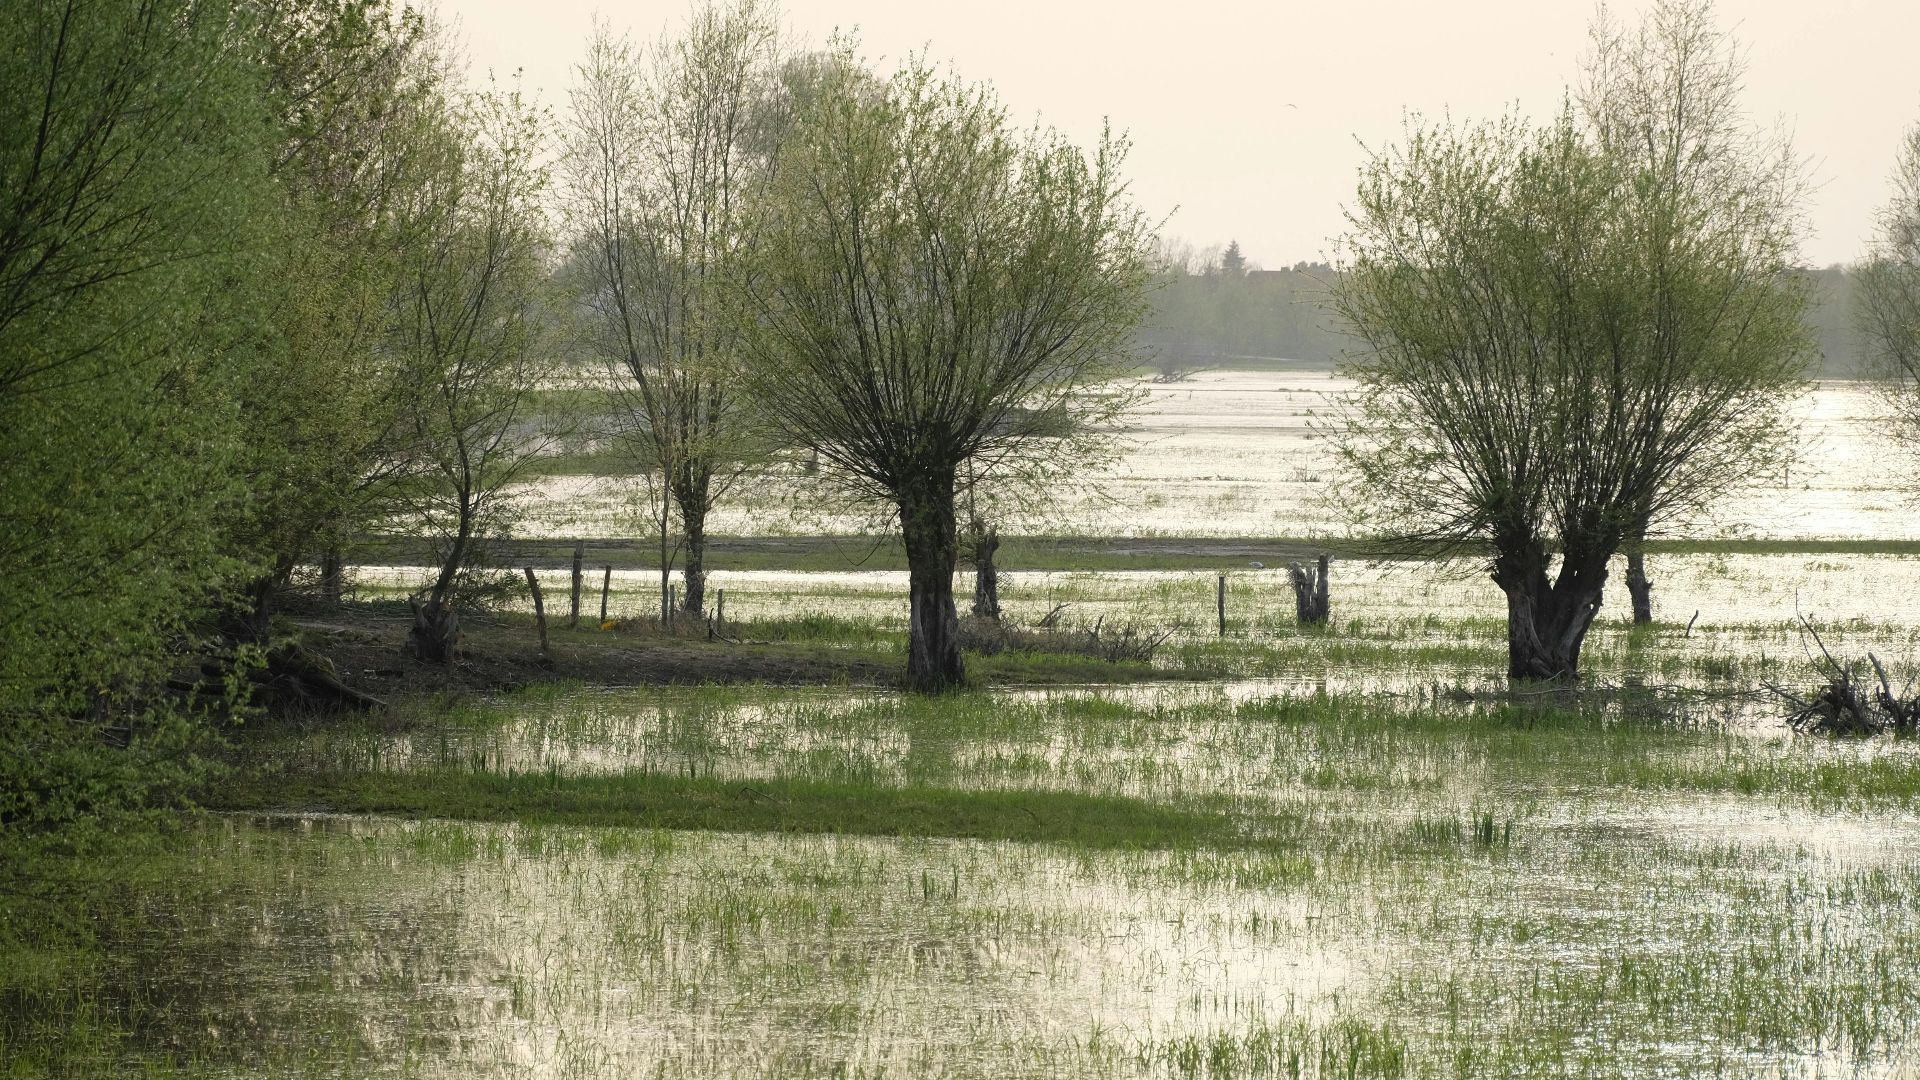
x: 1244, y: 115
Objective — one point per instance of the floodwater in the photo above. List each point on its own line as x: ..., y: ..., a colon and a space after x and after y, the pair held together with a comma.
x: 1471, y: 901
x: 1726, y: 589
x: 1236, y: 453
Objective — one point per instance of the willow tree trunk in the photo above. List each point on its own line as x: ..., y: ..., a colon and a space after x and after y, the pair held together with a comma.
x: 252, y: 620
x: 986, y: 576
x: 695, y: 570
x: 435, y: 635
x: 333, y: 577
x: 927, y: 526
x: 1640, y: 588
x: 1310, y: 601
x: 1547, y: 619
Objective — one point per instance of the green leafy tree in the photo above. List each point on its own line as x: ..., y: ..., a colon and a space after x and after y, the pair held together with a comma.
x: 1662, y: 101
x: 938, y: 300
x: 1887, y: 295
x: 348, y: 82
x: 132, y: 173
x: 1561, y: 348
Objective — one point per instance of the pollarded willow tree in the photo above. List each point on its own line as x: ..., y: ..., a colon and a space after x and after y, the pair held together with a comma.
x: 661, y: 153
x: 939, y: 300
x: 1561, y: 350
x: 1887, y: 295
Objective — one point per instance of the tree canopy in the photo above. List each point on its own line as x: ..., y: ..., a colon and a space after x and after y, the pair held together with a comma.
x: 1574, y: 332
x: 1888, y: 294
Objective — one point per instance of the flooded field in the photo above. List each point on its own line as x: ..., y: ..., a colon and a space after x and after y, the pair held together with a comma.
x: 1348, y: 852
x: 1237, y: 453
x: 1386, y: 889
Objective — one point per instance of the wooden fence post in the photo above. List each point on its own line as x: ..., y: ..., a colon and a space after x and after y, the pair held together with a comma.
x: 720, y: 612
x: 1223, y: 605
x: 539, y: 609
x: 606, y: 584
x: 573, y: 614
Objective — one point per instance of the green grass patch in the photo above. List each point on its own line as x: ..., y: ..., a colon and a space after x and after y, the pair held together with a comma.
x: 785, y: 805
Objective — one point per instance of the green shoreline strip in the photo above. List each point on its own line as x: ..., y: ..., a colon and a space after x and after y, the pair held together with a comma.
x: 665, y: 801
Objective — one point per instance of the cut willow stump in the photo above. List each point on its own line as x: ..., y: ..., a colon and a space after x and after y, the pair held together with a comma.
x: 986, y: 576
x: 1639, y: 588
x: 1310, y: 593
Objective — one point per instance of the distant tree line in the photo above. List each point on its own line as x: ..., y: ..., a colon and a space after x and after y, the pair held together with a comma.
x: 1206, y: 314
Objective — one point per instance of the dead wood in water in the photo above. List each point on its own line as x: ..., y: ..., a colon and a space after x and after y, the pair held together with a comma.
x: 990, y: 637
x: 1846, y: 703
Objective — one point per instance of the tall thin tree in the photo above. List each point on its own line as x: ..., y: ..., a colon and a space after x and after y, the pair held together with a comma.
x: 661, y: 151
x: 467, y: 338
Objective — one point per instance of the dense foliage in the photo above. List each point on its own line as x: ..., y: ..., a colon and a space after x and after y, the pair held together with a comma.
x: 221, y: 223
x: 133, y: 182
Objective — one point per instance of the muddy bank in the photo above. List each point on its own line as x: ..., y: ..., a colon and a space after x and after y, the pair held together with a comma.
x: 366, y: 646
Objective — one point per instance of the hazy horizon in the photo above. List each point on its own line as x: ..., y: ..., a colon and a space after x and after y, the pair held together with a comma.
x: 1244, y: 116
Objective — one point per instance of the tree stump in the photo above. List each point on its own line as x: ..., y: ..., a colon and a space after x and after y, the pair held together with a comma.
x: 1640, y: 588
x: 1310, y: 593
x: 435, y: 636
x: 986, y: 576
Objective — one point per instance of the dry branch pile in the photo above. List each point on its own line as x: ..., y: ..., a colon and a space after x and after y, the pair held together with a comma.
x: 1846, y: 703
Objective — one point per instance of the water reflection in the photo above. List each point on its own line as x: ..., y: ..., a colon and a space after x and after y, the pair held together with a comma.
x: 1237, y: 453
x: 376, y: 947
